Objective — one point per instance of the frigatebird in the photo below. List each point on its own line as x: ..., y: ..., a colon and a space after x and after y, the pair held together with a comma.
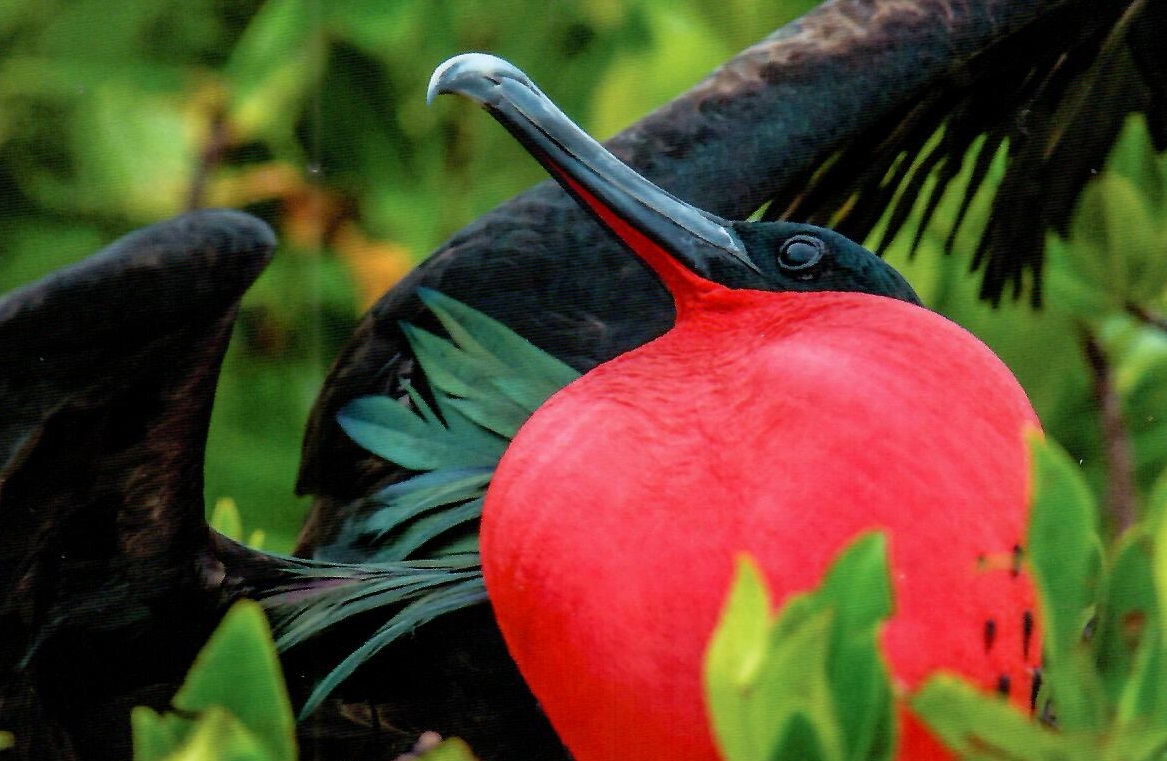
x: 792, y: 405
x: 800, y: 113
x: 822, y: 121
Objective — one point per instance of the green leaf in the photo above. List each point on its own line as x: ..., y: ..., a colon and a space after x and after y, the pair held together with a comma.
x: 233, y: 705
x: 156, y: 736
x: 1065, y: 554
x: 216, y: 735
x: 1113, y: 256
x: 983, y: 726
x: 858, y: 588
x: 1139, y: 700
x: 1133, y: 157
x: 1159, y: 567
x: 810, y: 683
x: 738, y: 648
x: 238, y: 670
x: 453, y: 749
x: 273, y: 69
x: 756, y: 686
x: 1125, y: 634
x: 226, y: 520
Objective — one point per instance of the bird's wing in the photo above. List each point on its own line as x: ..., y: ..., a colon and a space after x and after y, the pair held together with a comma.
x: 1045, y: 102
x: 108, y: 370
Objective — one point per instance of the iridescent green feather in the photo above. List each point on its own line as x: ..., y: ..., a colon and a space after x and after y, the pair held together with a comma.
x: 418, y: 538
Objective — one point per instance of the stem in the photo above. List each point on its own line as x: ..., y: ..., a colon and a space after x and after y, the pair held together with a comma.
x: 1120, y: 496
x: 209, y: 157
x: 1147, y: 317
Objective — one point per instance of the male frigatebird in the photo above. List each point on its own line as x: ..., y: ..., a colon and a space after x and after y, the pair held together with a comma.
x: 852, y: 75
x: 792, y: 406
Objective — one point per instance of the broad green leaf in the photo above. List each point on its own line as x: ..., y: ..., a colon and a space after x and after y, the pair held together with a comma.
x: 756, y: 685
x: 1144, y: 741
x: 238, y: 671
x: 157, y: 736
x: 681, y: 52
x: 1140, y: 373
x: 739, y: 645
x: 802, y: 740
x: 858, y: 589
x: 1065, y: 554
x: 1133, y: 157
x: 1155, y: 513
x: 273, y: 68
x: 1125, y: 635
x: 1144, y: 696
x: 1139, y: 702
x: 984, y: 726
x: 810, y: 682
x: 858, y: 585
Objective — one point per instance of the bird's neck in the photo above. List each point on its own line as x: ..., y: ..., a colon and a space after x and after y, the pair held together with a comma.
x: 686, y: 286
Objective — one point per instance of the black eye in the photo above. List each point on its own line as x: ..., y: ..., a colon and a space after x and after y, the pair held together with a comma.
x: 801, y: 252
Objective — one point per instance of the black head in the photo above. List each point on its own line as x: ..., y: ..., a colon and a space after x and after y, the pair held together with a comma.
x: 664, y: 231
x: 789, y: 256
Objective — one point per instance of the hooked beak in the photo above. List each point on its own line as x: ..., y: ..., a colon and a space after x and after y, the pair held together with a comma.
x: 655, y: 224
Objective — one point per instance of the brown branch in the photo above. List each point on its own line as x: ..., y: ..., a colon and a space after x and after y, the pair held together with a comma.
x: 210, y: 156
x: 1120, y: 498
x: 1147, y: 317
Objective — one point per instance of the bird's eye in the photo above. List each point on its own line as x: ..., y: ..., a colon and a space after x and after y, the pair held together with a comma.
x: 800, y: 252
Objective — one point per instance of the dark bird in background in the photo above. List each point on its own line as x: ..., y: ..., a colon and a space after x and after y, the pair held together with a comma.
x: 109, y: 578
x: 107, y: 568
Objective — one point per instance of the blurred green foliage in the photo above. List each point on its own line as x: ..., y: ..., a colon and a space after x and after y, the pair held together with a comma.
x: 1093, y: 359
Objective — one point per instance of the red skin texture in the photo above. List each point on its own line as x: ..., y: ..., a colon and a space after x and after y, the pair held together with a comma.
x: 777, y: 424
